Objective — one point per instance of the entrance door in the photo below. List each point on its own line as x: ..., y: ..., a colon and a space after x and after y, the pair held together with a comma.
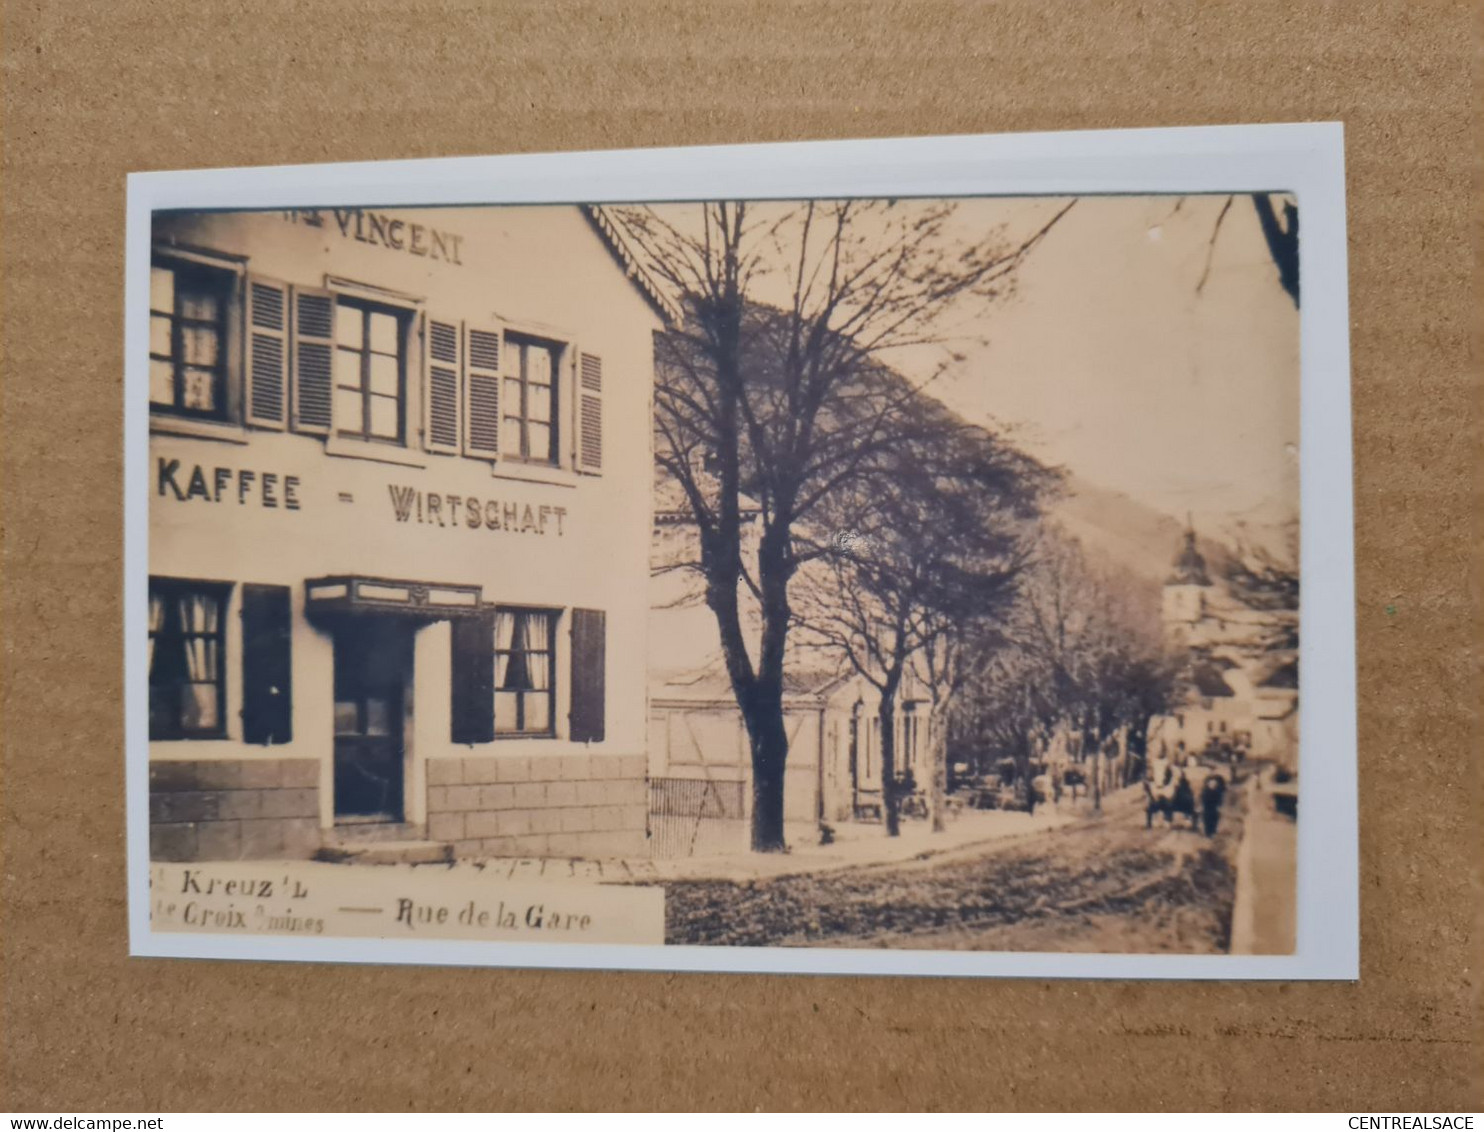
x: 373, y: 670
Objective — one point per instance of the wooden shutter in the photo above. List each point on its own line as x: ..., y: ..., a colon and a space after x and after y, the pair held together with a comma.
x: 473, y: 680
x: 441, y: 387
x: 267, y: 667
x: 267, y: 353
x: 314, y: 358
x: 589, y: 664
x: 590, y: 414
x: 482, y: 361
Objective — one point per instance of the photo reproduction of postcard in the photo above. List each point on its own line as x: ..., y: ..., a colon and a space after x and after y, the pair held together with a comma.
x: 876, y: 557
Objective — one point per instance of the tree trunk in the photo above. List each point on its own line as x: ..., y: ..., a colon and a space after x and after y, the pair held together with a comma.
x: 1136, y: 748
x: 766, y: 728
x: 768, y: 739
x: 887, y: 714
x: 1097, y: 774
x: 1282, y: 243
x: 759, y: 692
x: 760, y: 699
x: 938, y: 754
x: 1026, y: 780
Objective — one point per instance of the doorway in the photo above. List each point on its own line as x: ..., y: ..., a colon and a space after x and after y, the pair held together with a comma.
x: 373, y: 691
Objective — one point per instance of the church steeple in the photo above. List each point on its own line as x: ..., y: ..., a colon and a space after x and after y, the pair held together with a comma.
x: 1190, y: 566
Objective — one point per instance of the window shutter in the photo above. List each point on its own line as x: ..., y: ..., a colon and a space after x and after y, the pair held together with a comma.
x: 441, y: 387
x: 482, y: 355
x: 314, y: 356
x: 473, y: 680
x: 267, y: 353
x: 589, y: 663
x: 267, y: 667
x: 590, y: 414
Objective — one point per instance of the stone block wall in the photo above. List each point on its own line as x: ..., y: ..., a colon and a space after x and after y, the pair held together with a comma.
x: 233, y: 809
x: 591, y: 806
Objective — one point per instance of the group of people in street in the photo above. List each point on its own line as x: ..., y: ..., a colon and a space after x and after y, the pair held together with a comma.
x: 1177, y: 782
x: 1169, y: 789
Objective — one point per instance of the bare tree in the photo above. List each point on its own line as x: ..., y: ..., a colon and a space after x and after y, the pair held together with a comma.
x: 1092, y: 635
x: 1283, y: 239
x: 1006, y: 712
x: 1146, y: 687
x: 770, y: 392
x: 1267, y: 580
x: 935, y: 566
x: 1281, y: 235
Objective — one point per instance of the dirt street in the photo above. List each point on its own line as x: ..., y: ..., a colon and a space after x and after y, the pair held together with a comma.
x: 1100, y: 883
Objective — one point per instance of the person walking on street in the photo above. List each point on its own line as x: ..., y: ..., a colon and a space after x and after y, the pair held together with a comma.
x: 1213, y: 793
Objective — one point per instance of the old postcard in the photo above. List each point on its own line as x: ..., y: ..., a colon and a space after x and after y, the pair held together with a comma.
x: 922, y: 557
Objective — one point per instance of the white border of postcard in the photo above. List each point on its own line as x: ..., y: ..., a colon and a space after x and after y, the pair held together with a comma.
x: 1306, y: 159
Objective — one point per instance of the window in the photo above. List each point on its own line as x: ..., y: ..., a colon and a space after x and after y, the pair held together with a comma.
x: 187, y: 673
x: 370, y: 372
x: 528, y: 430
x: 524, y: 689
x: 187, y: 339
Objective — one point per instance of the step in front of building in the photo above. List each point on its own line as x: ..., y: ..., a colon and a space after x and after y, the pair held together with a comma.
x: 385, y: 851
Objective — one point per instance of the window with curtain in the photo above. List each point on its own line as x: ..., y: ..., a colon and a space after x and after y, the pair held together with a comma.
x: 187, y: 666
x: 187, y: 339
x: 525, y: 688
x: 529, y: 430
x: 370, y: 372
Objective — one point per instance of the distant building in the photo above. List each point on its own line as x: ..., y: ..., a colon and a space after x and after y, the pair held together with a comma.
x: 1184, y: 604
x: 1239, y: 690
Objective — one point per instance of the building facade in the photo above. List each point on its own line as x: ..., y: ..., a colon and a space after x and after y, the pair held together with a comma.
x: 1241, y: 692
x: 700, y: 761
x: 399, y: 534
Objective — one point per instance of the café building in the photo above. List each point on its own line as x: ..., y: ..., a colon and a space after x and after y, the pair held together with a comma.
x: 400, y: 514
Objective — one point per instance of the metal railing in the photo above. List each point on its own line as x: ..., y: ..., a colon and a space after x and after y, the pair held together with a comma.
x: 688, y: 816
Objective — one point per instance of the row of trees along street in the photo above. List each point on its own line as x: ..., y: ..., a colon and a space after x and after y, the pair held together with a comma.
x: 1080, y: 651
x: 887, y: 527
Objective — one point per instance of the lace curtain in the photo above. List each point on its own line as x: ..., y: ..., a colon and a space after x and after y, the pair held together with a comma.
x: 538, y: 650
x: 156, y: 623
x: 522, y: 650
x: 185, y: 660
x: 200, y: 614
x: 504, y: 639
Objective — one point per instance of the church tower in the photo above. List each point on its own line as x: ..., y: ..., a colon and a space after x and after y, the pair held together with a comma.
x: 1185, y: 592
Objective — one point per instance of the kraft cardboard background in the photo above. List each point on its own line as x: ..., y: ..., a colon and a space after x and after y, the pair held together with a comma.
x: 95, y: 91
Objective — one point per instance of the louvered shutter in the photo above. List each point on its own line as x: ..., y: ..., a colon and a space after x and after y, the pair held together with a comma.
x: 589, y: 666
x: 267, y: 665
x: 314, y: 358
x: 590, y: 414
x: 472, y: 664
x: 267, y: 353
x: 441, y: 386
x: 482, y: 362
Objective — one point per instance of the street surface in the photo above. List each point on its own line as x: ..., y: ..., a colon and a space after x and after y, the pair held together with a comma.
x: 1264, y: 921
x: 1100, y: 883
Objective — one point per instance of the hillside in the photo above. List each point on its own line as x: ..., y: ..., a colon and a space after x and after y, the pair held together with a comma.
x: 1133, y: 535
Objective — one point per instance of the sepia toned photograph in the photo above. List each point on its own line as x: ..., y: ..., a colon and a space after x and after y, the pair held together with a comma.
x: 720, y: 576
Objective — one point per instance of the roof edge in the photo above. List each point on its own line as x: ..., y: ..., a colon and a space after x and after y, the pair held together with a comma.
x: 610, y: 234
